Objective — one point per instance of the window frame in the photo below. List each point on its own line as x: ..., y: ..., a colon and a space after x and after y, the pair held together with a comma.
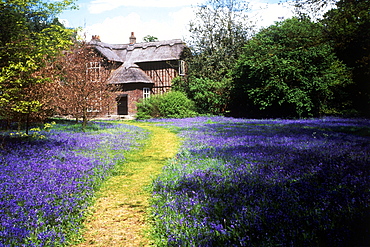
x: 94, y: 71
x: 182, y: 67
x: 146, y: 92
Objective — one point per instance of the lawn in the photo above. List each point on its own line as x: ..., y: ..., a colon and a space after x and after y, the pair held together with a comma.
x: 47, y: 181
x: 242, y: 182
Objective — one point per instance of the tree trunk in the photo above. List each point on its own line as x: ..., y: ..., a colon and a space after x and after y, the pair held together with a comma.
x: 28, y: 119
x: 84, y: 120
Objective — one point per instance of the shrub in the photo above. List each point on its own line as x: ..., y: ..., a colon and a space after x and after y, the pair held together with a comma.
x: 170, y: 105
x: 210, y: 96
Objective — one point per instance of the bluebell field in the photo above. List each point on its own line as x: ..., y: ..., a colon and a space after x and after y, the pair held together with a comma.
x: 46, y: 184
x: 242, y: 182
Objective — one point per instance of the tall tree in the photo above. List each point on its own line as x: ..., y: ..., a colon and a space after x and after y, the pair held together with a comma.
x: 30, y: 38
x: 315, y: 9
x: 83, y: 91
x: 347, y: 27
x: 289, y: 70
x: 347, y: 24
x: 218, y: 33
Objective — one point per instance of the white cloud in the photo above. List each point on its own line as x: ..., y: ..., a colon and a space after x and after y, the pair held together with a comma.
x: 267, y: 14
x: 99, y: 6
x: 117, y: 30
x: 65, y: 22
x: 170, y: 25
x: 180, y: 22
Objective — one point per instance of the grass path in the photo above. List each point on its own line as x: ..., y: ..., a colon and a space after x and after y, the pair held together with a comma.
x: 119, y: 214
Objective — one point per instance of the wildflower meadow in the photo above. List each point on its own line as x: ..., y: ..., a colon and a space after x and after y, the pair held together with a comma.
x: 242, y: 182
x: 47, y: 179
x: 234, y: 182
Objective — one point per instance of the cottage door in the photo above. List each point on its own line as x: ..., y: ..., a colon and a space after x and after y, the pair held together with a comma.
x: 122, y: 108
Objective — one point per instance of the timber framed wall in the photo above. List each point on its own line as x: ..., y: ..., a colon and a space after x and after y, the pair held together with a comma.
x: 162, y: 73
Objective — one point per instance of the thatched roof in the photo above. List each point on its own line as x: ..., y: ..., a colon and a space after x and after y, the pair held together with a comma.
x: 132, y: 74
x: 141, y: 52
x: 131, y: 54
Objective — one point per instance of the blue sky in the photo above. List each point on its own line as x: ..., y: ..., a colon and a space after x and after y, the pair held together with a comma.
x: 114, y: 20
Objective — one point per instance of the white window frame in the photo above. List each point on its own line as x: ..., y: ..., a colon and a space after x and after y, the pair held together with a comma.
x: 146, y: 93
x: 182, y: 68
x: 93, y: 68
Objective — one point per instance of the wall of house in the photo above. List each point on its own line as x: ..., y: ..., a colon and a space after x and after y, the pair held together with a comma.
x: 161, y: 73
x: 133, y: 92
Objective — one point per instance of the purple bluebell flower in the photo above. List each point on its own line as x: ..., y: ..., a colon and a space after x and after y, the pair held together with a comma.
x: 46, y: 185
x: 239, y: 182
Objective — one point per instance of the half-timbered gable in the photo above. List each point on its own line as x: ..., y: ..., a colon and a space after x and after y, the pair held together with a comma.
x: 141, y: 69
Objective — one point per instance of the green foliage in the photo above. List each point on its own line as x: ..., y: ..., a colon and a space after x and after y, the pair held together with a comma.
x: 347, y: 27
x: 289, y: 69
x: 218, y: 34
x: 150, y: 38
x: 34, y: 133
x: 210, y: 96
x: 169, y: 105
x: 30, y: 39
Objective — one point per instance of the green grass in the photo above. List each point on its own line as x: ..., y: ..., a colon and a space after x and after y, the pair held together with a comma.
x: 120, y: 214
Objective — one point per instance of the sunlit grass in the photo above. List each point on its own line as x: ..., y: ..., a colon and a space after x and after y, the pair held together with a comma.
x: 119, y: 215
x: 47, y: 183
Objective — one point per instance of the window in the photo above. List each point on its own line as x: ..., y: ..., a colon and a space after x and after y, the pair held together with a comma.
x: 146, y: 92
x: 94, y: 103
x: 93, y: 71
x: 182, y: 67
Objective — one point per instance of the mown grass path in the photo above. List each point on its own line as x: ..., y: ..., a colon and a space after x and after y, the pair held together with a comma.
x: 119, y: 214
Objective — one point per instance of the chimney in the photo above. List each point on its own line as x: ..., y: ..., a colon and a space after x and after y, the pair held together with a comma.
x: 95, y: 37
x: 132, y: 38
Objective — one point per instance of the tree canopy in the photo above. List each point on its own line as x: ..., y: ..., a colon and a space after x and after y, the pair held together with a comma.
x: 30, y: 38
x: 299, y: 67
x: 82, y: 90
x: 218, y: 34
x: 289, y: 69
x: 347, y: 27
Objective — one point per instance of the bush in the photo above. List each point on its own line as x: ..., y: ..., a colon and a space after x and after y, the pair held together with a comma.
x: 170, y: 105
x: 210, y: 96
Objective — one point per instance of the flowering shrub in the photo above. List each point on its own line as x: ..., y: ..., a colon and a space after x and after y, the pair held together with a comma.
x: 266, y: 183
x: 46, y: 184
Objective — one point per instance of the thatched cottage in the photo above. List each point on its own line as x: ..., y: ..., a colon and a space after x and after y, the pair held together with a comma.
x: 140, y: 69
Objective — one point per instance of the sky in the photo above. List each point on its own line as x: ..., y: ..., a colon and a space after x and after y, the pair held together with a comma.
x: 114, y: 20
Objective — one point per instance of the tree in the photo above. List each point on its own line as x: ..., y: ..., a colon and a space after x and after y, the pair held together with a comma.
x: 347, y: 27
x: 209, y: 96
x: 218, y: 34
x: 31, y: 38
x: 289, y: 70
x: 83, y: 91
x: 150, y: 38
x: 347, y: 24
x: 313, y: 8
